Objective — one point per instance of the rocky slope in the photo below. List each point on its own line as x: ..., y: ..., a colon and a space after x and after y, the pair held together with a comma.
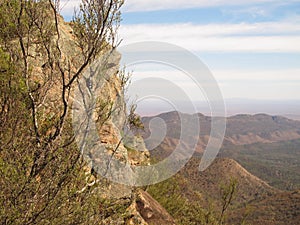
x: 254, y: 201
x: 141, y: 207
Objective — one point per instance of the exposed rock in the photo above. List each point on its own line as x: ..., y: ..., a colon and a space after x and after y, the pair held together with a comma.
x: 109, y: 120
x: 151, y: 211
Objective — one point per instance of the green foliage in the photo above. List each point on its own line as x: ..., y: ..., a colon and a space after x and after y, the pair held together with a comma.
x: 8, y: 11
x: 177, y: 201
x: 96, y: 32
x: 276, y: 163
x: 170, y: 195
x: 17, y: 18
x: 125, y: 78
x: 4, y: 63
x: 227, y: 194
x: 134, y: 120
x: 44, y: 179
x: 104, y: 110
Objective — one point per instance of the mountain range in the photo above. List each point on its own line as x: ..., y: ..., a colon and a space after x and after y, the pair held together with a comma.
x: 260, y: 153
x: 240, y: 130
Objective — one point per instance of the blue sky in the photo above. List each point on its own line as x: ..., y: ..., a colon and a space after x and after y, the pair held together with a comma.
x: 251, y: 47
x: 263, y: 12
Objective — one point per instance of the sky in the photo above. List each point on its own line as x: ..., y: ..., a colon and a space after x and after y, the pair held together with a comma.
x: 251, y: 47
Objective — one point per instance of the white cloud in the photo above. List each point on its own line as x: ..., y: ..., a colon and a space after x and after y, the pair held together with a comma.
x: 223, y: 75
x: 260, y: 37
x: 270, y: 76
x: 181, y: 29
x: 268, y: 84
x: 67, y: 7
x: 152, y: 5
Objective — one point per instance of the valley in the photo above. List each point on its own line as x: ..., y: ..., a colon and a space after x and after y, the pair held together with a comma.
x: 260, y: 155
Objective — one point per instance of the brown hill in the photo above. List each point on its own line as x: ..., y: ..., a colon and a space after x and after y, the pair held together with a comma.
x: 261, y: 128
x: 260, y: 143
x: 254, y: 197
x: 219, y: 174
x: 279, y: 209
x: 240, y: 130
x: 254, y: 201
x: 277, y: 163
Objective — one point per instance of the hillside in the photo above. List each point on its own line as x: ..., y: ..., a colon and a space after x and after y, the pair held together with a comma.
x: 277, y: 163
x: 279, y: 209
x: 266, y: 145
x: 220, y: 173
x: 254, y: 201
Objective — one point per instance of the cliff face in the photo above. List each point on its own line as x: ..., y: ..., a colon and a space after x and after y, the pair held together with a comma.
x: 110, y: 110
x: 55, y: 177
x: 110, y: 118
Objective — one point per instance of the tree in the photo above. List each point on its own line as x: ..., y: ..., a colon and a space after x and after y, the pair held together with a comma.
x: 43, y: 177
x: 227, y: 194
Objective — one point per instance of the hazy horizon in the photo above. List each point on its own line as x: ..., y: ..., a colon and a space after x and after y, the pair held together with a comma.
x: 288, y: 108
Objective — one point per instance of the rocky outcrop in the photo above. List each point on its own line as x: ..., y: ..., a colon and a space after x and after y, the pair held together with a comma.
x: 151, y: 211
x: 110, y: 118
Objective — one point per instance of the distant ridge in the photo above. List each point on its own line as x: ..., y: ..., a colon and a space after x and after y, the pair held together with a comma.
x: 242, y: 129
